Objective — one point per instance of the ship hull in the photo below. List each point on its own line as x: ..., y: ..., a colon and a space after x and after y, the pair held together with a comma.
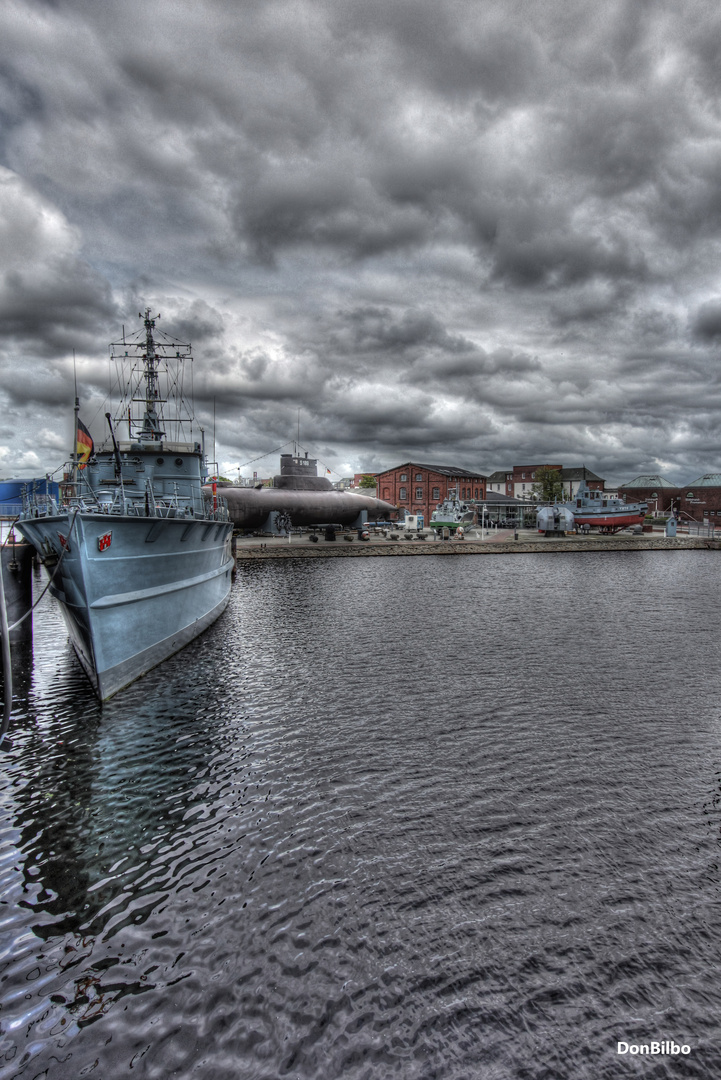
x: 451, y: 524
x: 133, y: 601
x: 608, y: 521
x: 250, y: 508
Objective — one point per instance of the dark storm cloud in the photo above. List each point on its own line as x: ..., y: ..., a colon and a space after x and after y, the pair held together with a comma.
x: 198, y: 322
x: 50, y: 297
x: 53, y: 316
x: 368, y: 330
x: 707, y: 321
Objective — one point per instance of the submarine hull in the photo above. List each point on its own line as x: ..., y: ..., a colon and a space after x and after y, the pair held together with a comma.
x: 249, y: 508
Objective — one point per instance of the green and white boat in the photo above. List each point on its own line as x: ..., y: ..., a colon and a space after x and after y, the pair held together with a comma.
x: 452, y: 513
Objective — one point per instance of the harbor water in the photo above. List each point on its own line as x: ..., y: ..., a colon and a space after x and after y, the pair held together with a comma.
x: 428, y: 819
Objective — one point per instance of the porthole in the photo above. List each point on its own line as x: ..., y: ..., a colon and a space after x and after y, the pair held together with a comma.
x: 179, y: 462
x: 160, y: 460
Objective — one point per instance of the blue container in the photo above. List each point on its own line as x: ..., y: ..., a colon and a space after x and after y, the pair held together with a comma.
x: 11, y: 492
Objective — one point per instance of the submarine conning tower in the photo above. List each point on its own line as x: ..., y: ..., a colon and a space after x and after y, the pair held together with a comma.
x: 300, y: 474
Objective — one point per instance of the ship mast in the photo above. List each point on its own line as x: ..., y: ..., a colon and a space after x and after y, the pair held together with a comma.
x: 150, y: 431
x: 75, y: 433
x: 150, y: 376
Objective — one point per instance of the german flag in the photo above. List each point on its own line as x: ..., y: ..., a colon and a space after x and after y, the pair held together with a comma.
x: 85, y: 445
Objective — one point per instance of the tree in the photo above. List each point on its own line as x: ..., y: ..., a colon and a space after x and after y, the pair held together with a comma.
x: 548, y: 485
x: 367, y: 481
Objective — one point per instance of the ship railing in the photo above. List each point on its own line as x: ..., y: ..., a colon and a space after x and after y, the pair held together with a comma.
x: 37, y: 505
x: 115, y: 503
x: 216, y: 508
x: 146, y: 502
x: 9, y: 513
x: 153, y: 506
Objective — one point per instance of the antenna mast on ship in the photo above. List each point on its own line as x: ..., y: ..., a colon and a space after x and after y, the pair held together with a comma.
x: 75, y: 430
x: 151, y: 422
x: 150, y: 373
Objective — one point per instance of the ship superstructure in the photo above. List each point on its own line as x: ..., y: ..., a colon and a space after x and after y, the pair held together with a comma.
x: 452, y: 513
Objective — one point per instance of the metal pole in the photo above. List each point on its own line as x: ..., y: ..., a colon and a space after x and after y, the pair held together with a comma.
x: 6, y: 665
x: 75, y: 443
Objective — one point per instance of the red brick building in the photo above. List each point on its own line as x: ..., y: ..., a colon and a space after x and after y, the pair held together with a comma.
x: 518, y: 482
x: 418, y: 488
x: 661, y: 495
x: 701, y: 499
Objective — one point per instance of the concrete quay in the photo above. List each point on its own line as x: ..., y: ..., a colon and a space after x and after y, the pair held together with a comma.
x: 502, y: 542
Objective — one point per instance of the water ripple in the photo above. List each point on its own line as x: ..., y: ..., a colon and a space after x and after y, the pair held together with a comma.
x: 387, y: 818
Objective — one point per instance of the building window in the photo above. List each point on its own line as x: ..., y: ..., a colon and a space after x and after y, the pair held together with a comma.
x: 690, y: 495
x: 523, y: 487
x: 402, y: 493
x: 533, y: 476
x: 386, y: 494
x: 419, y: 476
x: 523, y: 476
x: 509, y: 476
x: 403, y: 477
x: 436, y: 493
x: 419, y: 493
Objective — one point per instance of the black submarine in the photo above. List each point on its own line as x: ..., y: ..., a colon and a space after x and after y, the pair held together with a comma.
x: 299, y: 497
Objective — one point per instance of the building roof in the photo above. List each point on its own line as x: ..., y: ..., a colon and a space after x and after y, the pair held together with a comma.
x: 649, y: 482
x: 565, y: 474
x: 712, y: 479
x: 444, y: 470
x: 579, y: 474
x: 497, y: 498
x: 538, y: 465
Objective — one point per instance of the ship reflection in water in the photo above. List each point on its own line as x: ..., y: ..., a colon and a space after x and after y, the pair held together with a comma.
x: 277, y: 855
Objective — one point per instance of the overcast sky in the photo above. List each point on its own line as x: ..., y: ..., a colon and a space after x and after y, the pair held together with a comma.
x: 475, y: 233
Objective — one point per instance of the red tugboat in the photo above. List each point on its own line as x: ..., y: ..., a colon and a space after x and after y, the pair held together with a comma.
x: 606, y: 513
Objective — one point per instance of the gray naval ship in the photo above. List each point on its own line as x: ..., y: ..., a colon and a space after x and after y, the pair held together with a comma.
x: 139, y: 557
